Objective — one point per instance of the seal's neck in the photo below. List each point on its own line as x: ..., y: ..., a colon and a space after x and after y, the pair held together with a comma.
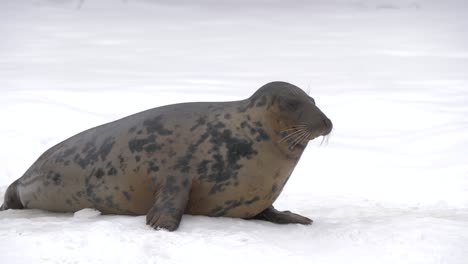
x: 264, y: 125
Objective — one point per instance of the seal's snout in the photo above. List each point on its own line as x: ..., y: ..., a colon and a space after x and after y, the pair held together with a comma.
x: 328, y: 126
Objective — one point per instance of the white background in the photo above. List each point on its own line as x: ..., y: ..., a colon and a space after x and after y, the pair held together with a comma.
x: 391, y: 186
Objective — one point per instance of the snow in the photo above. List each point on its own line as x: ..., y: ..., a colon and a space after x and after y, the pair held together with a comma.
x: 391, y: 185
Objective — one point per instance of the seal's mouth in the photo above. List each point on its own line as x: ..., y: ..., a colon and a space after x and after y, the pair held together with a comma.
x: 301, y: 134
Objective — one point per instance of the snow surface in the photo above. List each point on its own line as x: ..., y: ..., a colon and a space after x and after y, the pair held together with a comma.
x: 391, y: 186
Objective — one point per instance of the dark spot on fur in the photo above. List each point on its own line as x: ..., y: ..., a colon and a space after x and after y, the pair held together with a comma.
x: 139, y: 132
x: 223, y: 167
x: 57, y: 179
x: 110, y: 201
x: 171, y: 185
x: 112, y: 172
x: 185, y: 183
x: 132, y: 129
x: 68, y: 201
x: 137, y: 158
x: 92, y: 153
x: 69, y: 152
x: 63, y: 155
x: 199, y: 122
x: 217, y: 210
x: 99, y: 173
x: 256, y: 130
x: 122, y: 163
x: 228, y: 205
x: 203, y: 167
x: 127, y: 195
x: 152, y: 167
x: 261, y: 102
x: 286, y: 105
x: 151, y: 148
x: 148, y: 144
x: 219, y: 125
x: 253, y: 200
x: 154, y: 126
x: 274, y: 188
x: 273, y: 101
x: 227, y: 116
x: 263, y: 136
x: 231, y: 204
x: 183, y: 163
x: 53, y: 177
x: 106, y: 147
x: 251, y: 104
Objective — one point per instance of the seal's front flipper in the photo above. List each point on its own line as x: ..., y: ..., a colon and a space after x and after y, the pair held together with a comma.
x: 169, y: 206
x: 282, y: 217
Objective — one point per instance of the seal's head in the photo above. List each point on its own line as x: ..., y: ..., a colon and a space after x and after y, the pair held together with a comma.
x: 292, y: 114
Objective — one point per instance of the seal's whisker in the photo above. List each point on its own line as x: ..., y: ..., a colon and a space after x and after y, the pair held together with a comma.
x: 310, y: 133
x: 293, y: 143
x: 291, y: 135
x: 308, y: 89
x: 302, y: 138
x: 328, y: 138
x: 294, y: 128
x: 299, y: 139
x: 294, y: 139
x: 323, y: 140
x: 288, y: 136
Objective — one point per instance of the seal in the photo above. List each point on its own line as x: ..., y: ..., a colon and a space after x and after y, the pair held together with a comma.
x: 228, y: 159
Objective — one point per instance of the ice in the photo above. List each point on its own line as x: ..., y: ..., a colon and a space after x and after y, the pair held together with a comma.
x: 390, y: 186
x: 86, y: 213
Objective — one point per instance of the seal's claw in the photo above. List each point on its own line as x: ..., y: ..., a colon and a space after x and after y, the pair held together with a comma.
x: 159, y: 218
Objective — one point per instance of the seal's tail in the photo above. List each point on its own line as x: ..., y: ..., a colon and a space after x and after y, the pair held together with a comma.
x: 12, y: 200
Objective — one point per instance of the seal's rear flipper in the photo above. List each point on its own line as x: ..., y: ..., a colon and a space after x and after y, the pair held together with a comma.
x: 12, y: 200
x: 171, y: 200
x: 286, y: 217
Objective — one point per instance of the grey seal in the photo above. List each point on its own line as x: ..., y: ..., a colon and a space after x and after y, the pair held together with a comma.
x: 228, y: 159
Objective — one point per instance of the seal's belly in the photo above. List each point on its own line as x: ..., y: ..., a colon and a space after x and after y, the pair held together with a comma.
x: 244, y: 196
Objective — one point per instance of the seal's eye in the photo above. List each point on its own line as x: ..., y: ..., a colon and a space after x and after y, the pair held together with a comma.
x: 292, y: 105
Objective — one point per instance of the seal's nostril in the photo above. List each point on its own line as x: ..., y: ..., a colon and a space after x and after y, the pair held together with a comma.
x: 327, y: 122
